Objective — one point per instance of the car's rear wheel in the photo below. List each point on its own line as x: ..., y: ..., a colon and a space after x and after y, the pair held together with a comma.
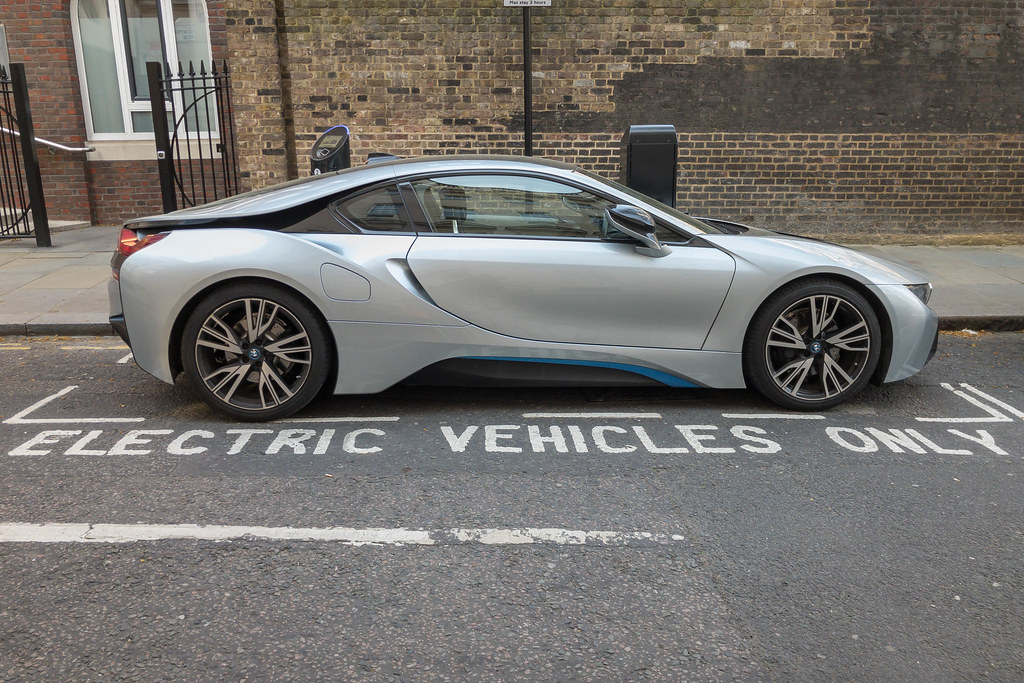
x: 813, y: 345
x: 255, y: 351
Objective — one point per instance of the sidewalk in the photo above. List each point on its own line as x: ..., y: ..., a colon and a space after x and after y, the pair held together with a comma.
x: 62, y: 290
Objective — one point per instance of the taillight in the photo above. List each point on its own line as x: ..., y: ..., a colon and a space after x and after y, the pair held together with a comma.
x: 129, y: 243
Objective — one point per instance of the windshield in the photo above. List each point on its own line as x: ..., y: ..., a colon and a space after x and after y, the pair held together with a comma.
x: 688, y: 220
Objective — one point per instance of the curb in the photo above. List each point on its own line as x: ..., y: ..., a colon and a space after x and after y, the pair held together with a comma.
x: 56, y: 330
x: 988, y: 323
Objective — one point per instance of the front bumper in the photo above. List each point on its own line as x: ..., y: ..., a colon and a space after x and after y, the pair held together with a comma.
x: 915, y: 329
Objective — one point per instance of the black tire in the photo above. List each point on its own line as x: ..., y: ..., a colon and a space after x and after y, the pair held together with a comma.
x: 255, y: 351
x: 812, y: 345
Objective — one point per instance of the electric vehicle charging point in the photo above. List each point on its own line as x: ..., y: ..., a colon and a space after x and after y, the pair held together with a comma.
x: 650, y: 156
x: 331, y: 151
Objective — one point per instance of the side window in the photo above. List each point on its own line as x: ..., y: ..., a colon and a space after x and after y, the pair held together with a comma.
x: 669, y: 236
x: 510, y: 206
x: 380, y: 210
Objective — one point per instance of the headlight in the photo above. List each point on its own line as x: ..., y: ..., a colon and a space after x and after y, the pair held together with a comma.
x: 922, y: 292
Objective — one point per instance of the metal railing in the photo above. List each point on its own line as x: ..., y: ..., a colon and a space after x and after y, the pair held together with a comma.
x: 22, y: 208
x: 50, y: 143
x: 193, y: 123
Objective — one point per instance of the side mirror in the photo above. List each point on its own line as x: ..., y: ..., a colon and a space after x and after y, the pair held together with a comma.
x: 638, y: 225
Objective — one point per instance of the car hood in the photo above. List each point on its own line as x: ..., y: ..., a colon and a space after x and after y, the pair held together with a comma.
x: 800, y: 254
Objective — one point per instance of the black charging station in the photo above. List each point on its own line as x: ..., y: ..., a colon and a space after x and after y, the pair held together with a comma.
x: 650, y: 155
x: 331, y: 151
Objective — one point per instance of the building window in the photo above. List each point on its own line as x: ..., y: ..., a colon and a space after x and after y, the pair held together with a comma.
x: 115, y: 39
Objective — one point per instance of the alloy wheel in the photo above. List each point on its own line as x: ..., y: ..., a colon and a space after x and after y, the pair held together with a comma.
x: 253, y: 354
x: 818, y: 348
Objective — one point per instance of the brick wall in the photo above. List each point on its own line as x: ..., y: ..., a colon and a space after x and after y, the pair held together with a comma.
x: 258, y: 95
x: 818, y: 116
x: 120, y: 190
x: 39, y: 35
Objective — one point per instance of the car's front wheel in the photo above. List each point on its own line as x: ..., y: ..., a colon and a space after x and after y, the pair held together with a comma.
x: 255, y: 351
x: 813, y: 345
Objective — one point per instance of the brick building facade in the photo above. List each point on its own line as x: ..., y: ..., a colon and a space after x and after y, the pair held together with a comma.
x: 818, y: 116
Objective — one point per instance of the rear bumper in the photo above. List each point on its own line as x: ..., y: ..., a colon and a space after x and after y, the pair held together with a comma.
x: 120, y: 328
x: 116, y: 311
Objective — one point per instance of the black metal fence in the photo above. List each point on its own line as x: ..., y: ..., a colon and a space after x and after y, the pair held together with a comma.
x: 193, y: 122
x: 22, y: 207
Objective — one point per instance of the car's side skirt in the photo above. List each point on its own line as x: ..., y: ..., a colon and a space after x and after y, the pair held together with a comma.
x: 375, y: 356
x: 541, y: 372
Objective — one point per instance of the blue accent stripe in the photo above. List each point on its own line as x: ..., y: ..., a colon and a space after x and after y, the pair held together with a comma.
x: 657, y: 375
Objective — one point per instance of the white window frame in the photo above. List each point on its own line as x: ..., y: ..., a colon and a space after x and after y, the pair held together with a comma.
x: 128, y: 104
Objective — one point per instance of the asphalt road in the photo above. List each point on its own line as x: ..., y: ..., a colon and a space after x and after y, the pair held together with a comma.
x: 453, y: 534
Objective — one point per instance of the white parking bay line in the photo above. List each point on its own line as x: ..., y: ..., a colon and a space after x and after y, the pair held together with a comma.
x: 994, y: 415
x: 20, y: 532
x: 600, y: 416
x: 21, y: 419
x: 991, y: 399
x: 303, y: 420
x: 772, y: 416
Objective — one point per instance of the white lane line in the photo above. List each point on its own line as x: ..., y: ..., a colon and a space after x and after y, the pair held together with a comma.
x: 125, y: 359
x: 771, y: 416
x: 20, y: 532
x: 20, y: 419
x: 602, y: 416
x: 303, y: 420
x: 995, y: 415
x: 991, y: 399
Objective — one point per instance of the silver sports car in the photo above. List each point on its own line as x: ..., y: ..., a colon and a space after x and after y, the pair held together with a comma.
x: 499, y: 270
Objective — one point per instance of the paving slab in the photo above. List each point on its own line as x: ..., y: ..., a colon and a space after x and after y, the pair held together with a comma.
x: 72, y: 277
x: 32, y: 302
x: 990, y: 257
x: 93, y: 302
x: 36, y: 265
x: 12, y: 279
x: 1016, y: 273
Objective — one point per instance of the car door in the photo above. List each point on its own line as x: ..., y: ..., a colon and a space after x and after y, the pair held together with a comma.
x: 524, y: 256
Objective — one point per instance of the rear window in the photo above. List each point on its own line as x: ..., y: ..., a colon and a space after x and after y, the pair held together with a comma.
x: 379, y: 210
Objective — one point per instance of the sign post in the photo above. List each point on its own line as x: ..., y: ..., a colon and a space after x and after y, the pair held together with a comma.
x: 527, y: 70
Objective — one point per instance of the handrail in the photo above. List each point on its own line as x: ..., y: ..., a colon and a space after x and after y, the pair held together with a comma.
x: 48, y: 143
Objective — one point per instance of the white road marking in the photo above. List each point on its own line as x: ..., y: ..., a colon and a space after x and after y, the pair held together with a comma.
x: 20, y: 419
x: 604, y: 416
x: 994, y: 415
x: 300, y: 420
x: 991, y: 399
x: 771, y: 416
x: 125, y: 359
x: 19, y: 532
